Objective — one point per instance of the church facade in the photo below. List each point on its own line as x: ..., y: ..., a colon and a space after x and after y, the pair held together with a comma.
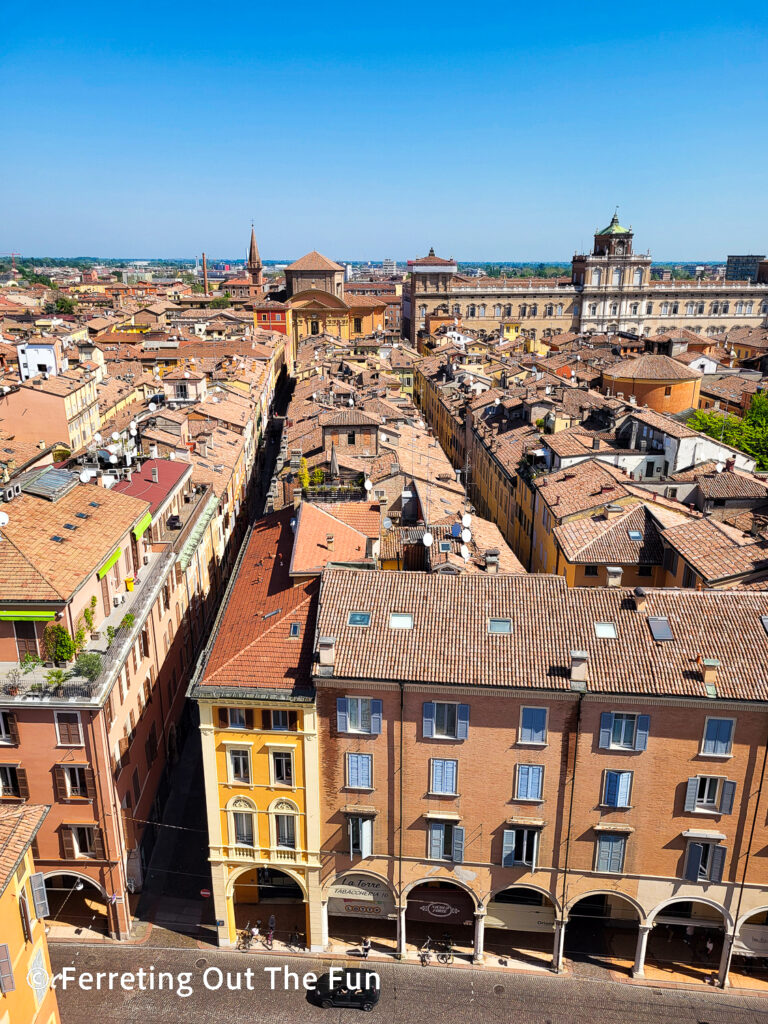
x: 609, y: 290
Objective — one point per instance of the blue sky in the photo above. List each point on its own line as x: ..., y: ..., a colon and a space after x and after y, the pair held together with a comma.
x: 490, y: 131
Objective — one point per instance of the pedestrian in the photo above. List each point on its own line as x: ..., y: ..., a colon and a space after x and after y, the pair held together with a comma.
x: 366, y: 947
x: 272, y: 922
x: 689, y: 934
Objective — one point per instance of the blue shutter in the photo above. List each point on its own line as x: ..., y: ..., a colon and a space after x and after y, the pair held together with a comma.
x: 603, y: 854
x: 617, y: 852
x: 710, y: 736
x: 354, y: 770
x: 523, y: 772
x: 40, y: 896
x: 436, y: 832
x: 508, y: 848
x: 526, y: 726
x: 462, y: 722
x: 428, y: 720
x: 349, y: 831
x: 535, y: 775
x: 376, y: 715
x: 693, y: 862
x: 727, y: 797
x: 723, y: 743
x: 437, y: 775
x: 341, y: 714
x: 625, y: 785
x: 364, y: 762
x: 691, y: 792
x: 717, y: 863
x: 449, y: 776
x: 458, y: 845
x: 611, y: 788
x: 606, y: 728
x: 641, y: 732
x: 540, y: 725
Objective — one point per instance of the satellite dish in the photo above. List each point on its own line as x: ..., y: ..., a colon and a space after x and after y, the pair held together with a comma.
x: 186, y: 373
x: 115, y: 436
x: 133, y: 431
x: 368, y: 485
x: 314, y: 396
x: 113, y: 459
x: 466, y: 519
x: 466, y: 536
x: 427, y: 539
x: 152, y: 408
x: 465, y: 552
x: 4, y: 520
x: 171, y: 456
x: 85, y: 476
x: 113, y: 449
x: 351, y: 401
x: 132, y: 426
x: 387, y: 523
x: 497, y: 401
x: 97, y: 437
x: 383, y: 437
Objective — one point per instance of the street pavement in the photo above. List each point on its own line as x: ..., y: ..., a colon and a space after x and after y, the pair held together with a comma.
x: 411, y: 994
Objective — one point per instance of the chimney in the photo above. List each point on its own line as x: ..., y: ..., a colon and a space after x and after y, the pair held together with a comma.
x: 326, y: 647
x: 492, y: 560
x: 579, y: 660
x: 709, y: 667
x: 730, y: 465
x: 205, y: 275
x: 614, y: 575
x: 595, y: 444
x: 641, y: 599
x: 329, y: 541
x: 613, y: 511
x: 155, y: 475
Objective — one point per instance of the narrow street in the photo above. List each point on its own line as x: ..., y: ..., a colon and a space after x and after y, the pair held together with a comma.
x: 410, y: 994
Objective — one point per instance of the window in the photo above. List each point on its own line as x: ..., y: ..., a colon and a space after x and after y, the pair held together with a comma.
x: 499, y: 625
x: 605, y: 631
x: 243, y: 823
x: 533, y: 725
x: 359, y: 618
x: 10, y: 782
x: 635, y: 535
x: 278, y: 721
x: 8, y: 728
x: 610, y: 853
x: 445, y: 721
x: 360, y: 771
x: 689, y: 577
x: 357, y: 324
x: 718, y: 737
x: 68, y: 729
x: 84, y: 840
x: 240, y: 765
x: 76, y: 781
x: 443, y: 775
x: 446, y: 841
x: 7, y: 983
x: 659, y: 625
x: 617, y: 788
x: 359, y: 714
x: 351, y: 438
x: 360, y: 836
x: 314, y: 327
x: 520, y: 846
x: 590, y: 570
x: 400, y: 620
x: 709, y: 793
x: 624, y: 731
x: 295, y: 629
x: 593, y: 309
x: 282, y: 768
x: 285, y: 831
x: 705, y: 862
x: 530, y: 780
x: 236, y: 718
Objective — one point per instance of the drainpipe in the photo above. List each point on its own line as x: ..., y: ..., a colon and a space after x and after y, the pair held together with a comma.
x: 730, y: 940
x: 400, y: 911
x: 557, y: 963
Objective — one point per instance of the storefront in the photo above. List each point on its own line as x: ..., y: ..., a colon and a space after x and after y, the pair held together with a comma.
x: 360, y: 905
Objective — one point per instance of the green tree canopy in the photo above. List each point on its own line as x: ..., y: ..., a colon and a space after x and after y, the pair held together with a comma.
x: 749, y: 434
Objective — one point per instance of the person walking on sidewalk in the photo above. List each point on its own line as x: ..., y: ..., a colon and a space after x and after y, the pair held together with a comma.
x: 365, y: 947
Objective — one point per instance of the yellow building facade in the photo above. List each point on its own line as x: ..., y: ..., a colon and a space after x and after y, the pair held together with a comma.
x: 26, y: 996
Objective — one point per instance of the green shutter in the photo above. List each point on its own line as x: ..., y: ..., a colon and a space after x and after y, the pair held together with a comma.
x: 109, y: 563
x: 142, y: 526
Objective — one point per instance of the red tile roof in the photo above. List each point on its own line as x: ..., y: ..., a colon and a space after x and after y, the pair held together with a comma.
x: 651, y: 367
x: 142, y: 485
x: 18, y: 827
x: 311, y: 551
x: 314, y: 261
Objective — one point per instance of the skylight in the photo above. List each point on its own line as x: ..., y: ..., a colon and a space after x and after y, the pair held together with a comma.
x: 445, y: 546
x: 605, y: 631
x: 295, y: 629
x: 764, y: 620
x: 499, y: 625
x: 359, y: 619
x: 635, y: 534
x: 660, y: 627
x: 400, y: 620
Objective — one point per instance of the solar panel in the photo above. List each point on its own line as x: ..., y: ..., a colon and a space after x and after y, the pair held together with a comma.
x: 456, y: 530
x: 52, y: 485
x: 660, y: 627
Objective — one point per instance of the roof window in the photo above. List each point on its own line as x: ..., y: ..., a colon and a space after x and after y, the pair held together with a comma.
x: 295, y: 629
x: 635, y: 534
x: 359, y: 619
x: 400, y: 620
x: 605, y: 631
x: 499, y: 625
x: 660, y: 627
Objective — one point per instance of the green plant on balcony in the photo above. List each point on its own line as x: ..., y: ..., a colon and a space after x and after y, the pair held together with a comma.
x: 317, y: 477
x: 55, y: 678
x: 79, y: 639
x: 30, y: 662
x: 88, y: 614
x: 127, y: 620
x: 58, y: 643
x: 88, y: 665
x: 111, y: 631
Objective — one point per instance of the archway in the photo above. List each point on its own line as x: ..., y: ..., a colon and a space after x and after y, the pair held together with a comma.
x: 77, y: 903
x: 441, y: 910
x: 749, y: 963
x: 260, y: 894
x: 520, y: 925
x: 361, y: 904
x: 602, y: 929
x: 686, y: 940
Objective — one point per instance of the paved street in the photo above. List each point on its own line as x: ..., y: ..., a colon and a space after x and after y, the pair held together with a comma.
x: 410, y: 994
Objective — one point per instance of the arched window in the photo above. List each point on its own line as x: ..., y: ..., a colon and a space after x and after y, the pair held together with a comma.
x: 715, y: 309
x: 739, y: 308
x: 422, y: 312
x: 597, y: 275
x: 699, y: 308
x: 533, y: 310
x: 559, y: 309
x: 481, y: 311
x: 241, y: 815
x: 523, y: 309
x: 638, y: 279
x: 471, y: 310
x: 508, y: 310
x: 456, y: 309
x: 748, y: 310
x: 593, y: 309
x: 764, y: 307
x: 616, y: 276
x: 283, y: 822
x: 497, y: 311
x: 726, y: 306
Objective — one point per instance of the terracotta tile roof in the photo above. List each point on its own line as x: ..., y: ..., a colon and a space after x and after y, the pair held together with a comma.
x: 732, y: 387
x: 142, y: 485
x: 651, y: 367
x: 33, y: 566
x: 311, y: 551
x: 664, y: 424
x: 18, y: 827
x: 730, y: 484
x: 314, y: 261
x: 349, y: 418
x: 579, y: 488
x: 364, y: 516
x: 431, y: 261
x: 597, y: 540
x: 253, y: 646
x: 717, y: 551
x: 450, y: 643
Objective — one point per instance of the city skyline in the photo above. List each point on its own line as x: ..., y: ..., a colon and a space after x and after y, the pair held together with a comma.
x: 358, y: 136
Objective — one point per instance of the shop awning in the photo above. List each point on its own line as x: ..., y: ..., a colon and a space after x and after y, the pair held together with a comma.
x: 197, y: 534
x: 24, y: 616
x: 109, y: 562
x: 142, y: 526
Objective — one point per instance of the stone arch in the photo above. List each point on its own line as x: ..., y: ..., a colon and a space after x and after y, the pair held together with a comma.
x: 750, y: 913
x: 295, y: 876
x: 607, y: 892
x: 241, y: 803
x: 440, y: 878
x: 60, y: 872
x: 727, y: 919
x: 284, y: 805
x: 519, y: 885
x: 352, y: 870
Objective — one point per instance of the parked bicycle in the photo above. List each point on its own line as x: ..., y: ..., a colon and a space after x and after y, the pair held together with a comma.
x: 246, y: 937
x: 425, y: 953
x: 296, y: 942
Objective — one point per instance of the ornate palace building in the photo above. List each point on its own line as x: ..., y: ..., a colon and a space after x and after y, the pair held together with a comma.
x: 609, y: 290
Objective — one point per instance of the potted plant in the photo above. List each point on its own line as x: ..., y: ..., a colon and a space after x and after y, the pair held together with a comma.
x: 59, y: 645
x: 55, y: 679
x: 29, y: 662
x: 88, y: 613
x: 88, y: 664
x: 128, y: 620
x: 13, y: 685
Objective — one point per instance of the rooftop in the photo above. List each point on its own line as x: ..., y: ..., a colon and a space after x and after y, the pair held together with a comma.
x: 651, y: 367
x: 18, y: 828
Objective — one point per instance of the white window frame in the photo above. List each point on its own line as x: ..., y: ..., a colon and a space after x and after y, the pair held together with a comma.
x: 714, y: 806
x: 79, y: 852
x: 401, y: 620
x: 79, y: 726
x: 529, y: 799
x: 359, y: 702
x: 443, y: 792
x: 77, y: 768
x: 446, y: 736
x: 600, y: 837
x: 273, y: 750
x: 719, y: 718
x: 239, y: 748
x: 606, y: 631
x: 5, y: 733
x: 239, y: 712
x: 531, y: 835
x: 624, y: 715
x: 233, y: 837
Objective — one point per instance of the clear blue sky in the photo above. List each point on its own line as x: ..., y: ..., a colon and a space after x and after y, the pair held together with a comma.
x: 491, y: 131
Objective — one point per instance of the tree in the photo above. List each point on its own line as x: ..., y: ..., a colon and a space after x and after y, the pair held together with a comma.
x: 63, y: 304
x: 749, y: 435
x: 303, y: 474
x: 220, y: 302
x: 317, y: 476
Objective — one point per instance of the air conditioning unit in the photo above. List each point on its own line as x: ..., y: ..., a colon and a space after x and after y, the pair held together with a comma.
x: 146, y: 559
x: 9, y: 494
x: 116, y: 600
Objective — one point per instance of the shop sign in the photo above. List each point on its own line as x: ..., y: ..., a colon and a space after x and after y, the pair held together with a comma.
x: 360, y: 896
x: 441, y: 906
x: 752, y: 940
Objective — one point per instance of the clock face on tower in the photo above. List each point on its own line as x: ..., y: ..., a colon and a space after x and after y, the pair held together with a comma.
x: 620, y: 249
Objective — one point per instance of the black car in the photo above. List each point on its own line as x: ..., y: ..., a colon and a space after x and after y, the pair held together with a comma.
x: 350, y: 986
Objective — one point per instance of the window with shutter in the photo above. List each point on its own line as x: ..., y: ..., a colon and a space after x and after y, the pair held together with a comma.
x: 533, y: 726
x: 618, y: 786
x: 359, y: 771
x: 457, y: 844
x: 68, y: 729
x: 530, y: 778
x: 39, y: 895
x: 9, y: 735
x: 366, y: 837
x: 26, y: 920
x: 7, y: 983
x: 610, y: 853
x: 444, y: 774
x: 718, y: 737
